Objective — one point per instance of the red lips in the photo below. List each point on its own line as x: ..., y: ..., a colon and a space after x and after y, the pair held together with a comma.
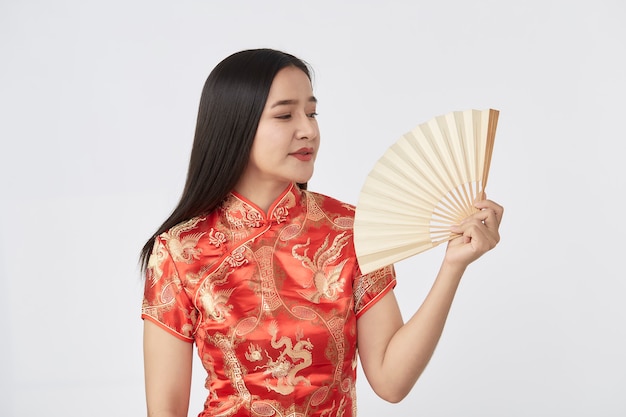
x: 303, y: 154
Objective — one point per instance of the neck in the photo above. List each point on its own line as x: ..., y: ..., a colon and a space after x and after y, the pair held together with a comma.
x: 262, y: 197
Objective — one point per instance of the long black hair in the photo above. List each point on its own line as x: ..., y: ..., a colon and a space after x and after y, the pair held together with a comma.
x: 231, y: 104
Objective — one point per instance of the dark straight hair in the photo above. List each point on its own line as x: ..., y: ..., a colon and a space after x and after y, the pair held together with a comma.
x: 231, y: 104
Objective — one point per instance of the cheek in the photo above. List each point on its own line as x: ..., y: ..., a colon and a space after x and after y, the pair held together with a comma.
x: 263, y: 152
x: 256, y: 153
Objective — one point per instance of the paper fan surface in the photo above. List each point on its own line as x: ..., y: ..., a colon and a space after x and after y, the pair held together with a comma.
x: 423, y: 184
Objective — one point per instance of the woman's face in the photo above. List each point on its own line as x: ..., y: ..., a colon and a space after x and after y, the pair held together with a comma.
x: 287, y: 139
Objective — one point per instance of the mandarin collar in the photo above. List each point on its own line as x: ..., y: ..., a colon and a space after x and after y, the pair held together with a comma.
x: 242, y: 212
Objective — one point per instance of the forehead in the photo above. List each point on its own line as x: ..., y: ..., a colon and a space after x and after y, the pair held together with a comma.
x: 290, y: 83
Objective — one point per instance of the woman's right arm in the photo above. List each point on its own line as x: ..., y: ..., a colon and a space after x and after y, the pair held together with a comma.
x: 167, y: 369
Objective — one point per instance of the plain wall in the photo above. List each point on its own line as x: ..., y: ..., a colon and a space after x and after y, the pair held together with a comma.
x: 98, y: 102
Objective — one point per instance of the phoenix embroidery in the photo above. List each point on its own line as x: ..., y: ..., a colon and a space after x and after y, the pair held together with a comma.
x: 326, y: 279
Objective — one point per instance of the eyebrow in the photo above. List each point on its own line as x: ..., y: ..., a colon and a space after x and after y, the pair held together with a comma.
x: 311, y: 99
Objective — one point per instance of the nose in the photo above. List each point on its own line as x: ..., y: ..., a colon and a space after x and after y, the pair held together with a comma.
x: 307, y: 128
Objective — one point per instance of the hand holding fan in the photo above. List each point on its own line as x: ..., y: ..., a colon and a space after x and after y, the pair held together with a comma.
x: 423, y: 184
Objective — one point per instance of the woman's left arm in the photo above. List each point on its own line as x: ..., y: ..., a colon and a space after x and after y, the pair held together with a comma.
x: 393, y: 354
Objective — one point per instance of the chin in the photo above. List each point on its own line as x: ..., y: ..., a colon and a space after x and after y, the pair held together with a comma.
x: 303, y: 179
x: 301, y: 176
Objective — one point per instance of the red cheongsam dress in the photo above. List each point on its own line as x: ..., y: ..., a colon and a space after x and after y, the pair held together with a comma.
x: 271, y: 302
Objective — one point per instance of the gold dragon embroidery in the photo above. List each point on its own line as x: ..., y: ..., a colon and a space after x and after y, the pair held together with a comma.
x: 292, y: 359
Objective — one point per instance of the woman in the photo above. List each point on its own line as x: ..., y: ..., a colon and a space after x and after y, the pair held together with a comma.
x: 261, y: 273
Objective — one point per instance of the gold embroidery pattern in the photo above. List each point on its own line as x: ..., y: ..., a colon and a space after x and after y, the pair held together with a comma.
x: 166, y: 298
x: 184, y: 249
x: 233, y: 370
x: 335, y: 325
x: 326, y: 285
x: 214, y: 301
x: 236, y: 215
x: 254, y: 353
x: 292, y: 359
x: 154, y: 270
x: 289, y: 232
x: 271, y: 302
x: 253, y: 218
x: 269, y: 294
x: 370, y: 283
x: 280, y: 214
x: 344, y: 222
x: 237, y: 257
x: 207, y: 363
x: 314, y: 212
x: 216, y: 238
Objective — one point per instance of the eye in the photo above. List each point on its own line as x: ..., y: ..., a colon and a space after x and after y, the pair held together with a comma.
x: 312, y: 115
x: 284, y: 116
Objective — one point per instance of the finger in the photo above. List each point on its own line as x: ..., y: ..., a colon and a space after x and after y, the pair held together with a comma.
x: 484, y: 217
x: 489, y: 218
x: 488, y: 204
x: 477, y: 234
x: 483, y: 225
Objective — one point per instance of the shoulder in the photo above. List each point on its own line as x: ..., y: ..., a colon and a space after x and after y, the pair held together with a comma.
x: 321, y: 207
x: 193, y: 241
x: 193, y: 229
x: 329, y: 202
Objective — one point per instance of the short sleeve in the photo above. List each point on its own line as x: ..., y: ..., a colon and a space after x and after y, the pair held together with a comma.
x: 370, y: 288
x: 165, y: 301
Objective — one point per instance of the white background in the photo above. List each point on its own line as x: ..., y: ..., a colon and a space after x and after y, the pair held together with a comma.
x: 97, y: 109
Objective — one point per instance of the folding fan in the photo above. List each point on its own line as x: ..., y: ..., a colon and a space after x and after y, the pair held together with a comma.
x: 423, y: 184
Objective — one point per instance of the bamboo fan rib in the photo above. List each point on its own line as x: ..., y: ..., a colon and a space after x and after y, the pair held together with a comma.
x: 423, y: 184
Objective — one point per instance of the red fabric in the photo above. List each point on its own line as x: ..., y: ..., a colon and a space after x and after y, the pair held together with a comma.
x: 270, y: 301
